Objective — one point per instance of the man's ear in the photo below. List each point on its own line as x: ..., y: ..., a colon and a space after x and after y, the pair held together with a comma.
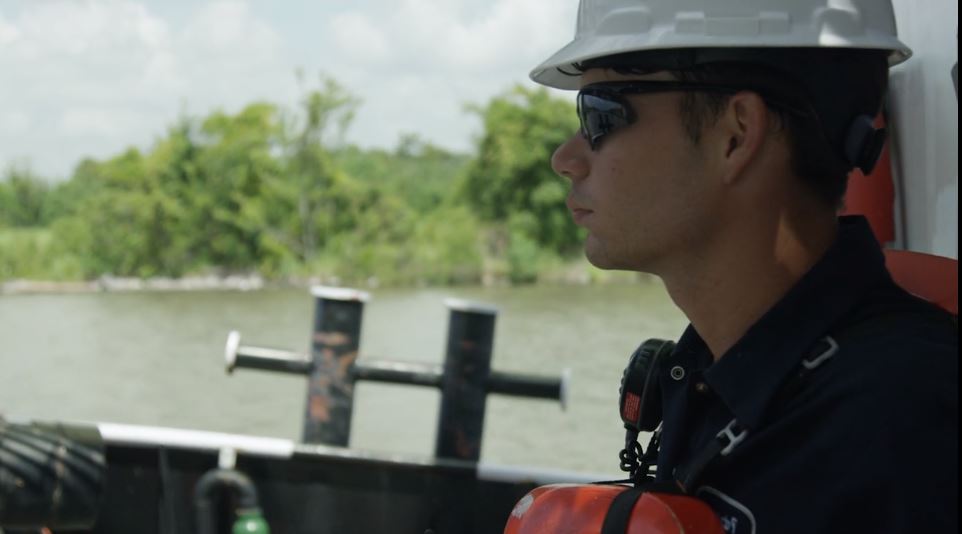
x: 741, y: 132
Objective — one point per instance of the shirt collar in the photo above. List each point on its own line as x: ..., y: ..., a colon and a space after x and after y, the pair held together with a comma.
x: 751, y: 372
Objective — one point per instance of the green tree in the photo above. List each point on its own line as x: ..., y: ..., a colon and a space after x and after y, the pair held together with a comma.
x: 226, y: 200
x: 313, y: 202
x: 280, y: 192
x: 124, y: 223
x: 22, y: 198
x: 417, y: 171
x: 511, y: 181
x: 447, y: 247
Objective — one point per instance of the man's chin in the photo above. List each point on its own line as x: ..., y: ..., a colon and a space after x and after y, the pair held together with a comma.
x: 601, y: 258
x: 598, y: 257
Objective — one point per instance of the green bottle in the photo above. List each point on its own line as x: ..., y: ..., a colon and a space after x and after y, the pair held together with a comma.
x: 250, y: 521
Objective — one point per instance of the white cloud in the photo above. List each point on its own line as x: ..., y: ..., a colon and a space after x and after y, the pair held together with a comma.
x: 116, y: 74
x: 8, y: 32
x: 88, y: 78
x: 444, y: 35
x: 223, y: 25
x: 356, y: 35
x: 443, y: 54
x: 75, y: 28
x: 228, y: 31
x: 13, y: 122
x: 99, y: 121
x: 80, y: 45
x: 229, y: 57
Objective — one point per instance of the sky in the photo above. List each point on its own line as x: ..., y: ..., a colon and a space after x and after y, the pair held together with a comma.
x: 89, y: 78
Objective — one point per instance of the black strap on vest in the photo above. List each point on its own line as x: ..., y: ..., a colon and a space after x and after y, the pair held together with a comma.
x: 616, y: 520
x: 735, y: 433
x: 619, y: 513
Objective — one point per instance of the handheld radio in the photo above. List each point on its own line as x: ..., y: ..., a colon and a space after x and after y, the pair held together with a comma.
x: 639, y: 405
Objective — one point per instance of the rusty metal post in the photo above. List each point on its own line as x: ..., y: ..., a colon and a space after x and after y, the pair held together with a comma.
x: 467, y: 365
x: 330, y: 389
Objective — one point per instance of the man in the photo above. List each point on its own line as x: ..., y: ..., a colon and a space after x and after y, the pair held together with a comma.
x: 809, y: 394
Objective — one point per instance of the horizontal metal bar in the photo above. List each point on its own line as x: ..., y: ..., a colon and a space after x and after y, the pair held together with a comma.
x: 155, y: 436
x: 522, y: 385
x: 276, y: 360
x: 418, y: 374
x: 124, y: 435
x: 536, y: 475
x: 409, y: 373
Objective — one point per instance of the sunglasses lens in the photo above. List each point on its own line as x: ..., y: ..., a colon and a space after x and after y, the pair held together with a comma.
x: 600, y: 115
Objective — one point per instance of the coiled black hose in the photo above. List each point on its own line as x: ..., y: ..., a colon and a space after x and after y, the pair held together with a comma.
x: 50, y: 475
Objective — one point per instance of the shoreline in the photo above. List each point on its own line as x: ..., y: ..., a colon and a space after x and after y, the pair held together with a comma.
x: 112, y: 284
x: 254, y: 282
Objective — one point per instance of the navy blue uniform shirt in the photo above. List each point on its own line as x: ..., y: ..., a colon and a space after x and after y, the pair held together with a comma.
x: 867, y: 443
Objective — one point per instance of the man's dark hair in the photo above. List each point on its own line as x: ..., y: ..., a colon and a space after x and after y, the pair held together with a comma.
x: 837, y: 85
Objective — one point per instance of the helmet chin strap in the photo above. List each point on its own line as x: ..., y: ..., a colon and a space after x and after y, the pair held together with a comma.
x: 863, y: 143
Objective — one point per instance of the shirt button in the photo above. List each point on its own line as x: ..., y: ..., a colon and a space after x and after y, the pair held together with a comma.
x: 677, y: 372
x: 702, y: 388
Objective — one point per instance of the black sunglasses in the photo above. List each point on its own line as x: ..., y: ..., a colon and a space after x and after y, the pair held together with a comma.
x: 603, y: 108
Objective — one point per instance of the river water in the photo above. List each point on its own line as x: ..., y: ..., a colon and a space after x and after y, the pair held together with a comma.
x: 157, y: 359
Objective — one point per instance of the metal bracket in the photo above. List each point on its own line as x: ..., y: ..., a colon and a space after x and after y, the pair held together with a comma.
x: 825, y: 355
x: 733, y: 438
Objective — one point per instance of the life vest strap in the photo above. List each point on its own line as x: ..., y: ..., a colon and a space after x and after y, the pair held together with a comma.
x: 619, y: 513
x: 733, y: 434
x: 616, y: 520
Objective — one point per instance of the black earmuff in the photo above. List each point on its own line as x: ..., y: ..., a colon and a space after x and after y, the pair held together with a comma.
x: 863, y: 143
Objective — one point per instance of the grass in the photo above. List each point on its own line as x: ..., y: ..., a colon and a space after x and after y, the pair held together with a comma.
x: 32, y: 253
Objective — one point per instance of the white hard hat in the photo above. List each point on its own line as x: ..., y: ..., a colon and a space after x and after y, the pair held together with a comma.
x: 610, y: 27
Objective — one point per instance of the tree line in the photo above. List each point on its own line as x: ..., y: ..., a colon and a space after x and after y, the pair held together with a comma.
x: 278, y: 192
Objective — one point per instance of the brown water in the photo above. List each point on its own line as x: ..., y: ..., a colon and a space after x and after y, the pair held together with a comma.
x: 157, y: 359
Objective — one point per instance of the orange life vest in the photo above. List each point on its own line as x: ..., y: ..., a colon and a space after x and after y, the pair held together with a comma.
x: 584, y: 508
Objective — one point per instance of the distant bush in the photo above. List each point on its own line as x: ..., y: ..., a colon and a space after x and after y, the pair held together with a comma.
x: 32, y: 253
x: 276, y: 192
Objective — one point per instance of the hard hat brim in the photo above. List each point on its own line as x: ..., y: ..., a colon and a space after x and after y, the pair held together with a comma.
x: 559, y: 70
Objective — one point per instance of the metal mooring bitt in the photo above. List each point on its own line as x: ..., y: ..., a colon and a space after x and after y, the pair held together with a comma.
x: 465, y: 378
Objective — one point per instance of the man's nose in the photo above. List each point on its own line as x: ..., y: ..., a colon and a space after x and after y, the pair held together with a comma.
x: 569, y: 158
